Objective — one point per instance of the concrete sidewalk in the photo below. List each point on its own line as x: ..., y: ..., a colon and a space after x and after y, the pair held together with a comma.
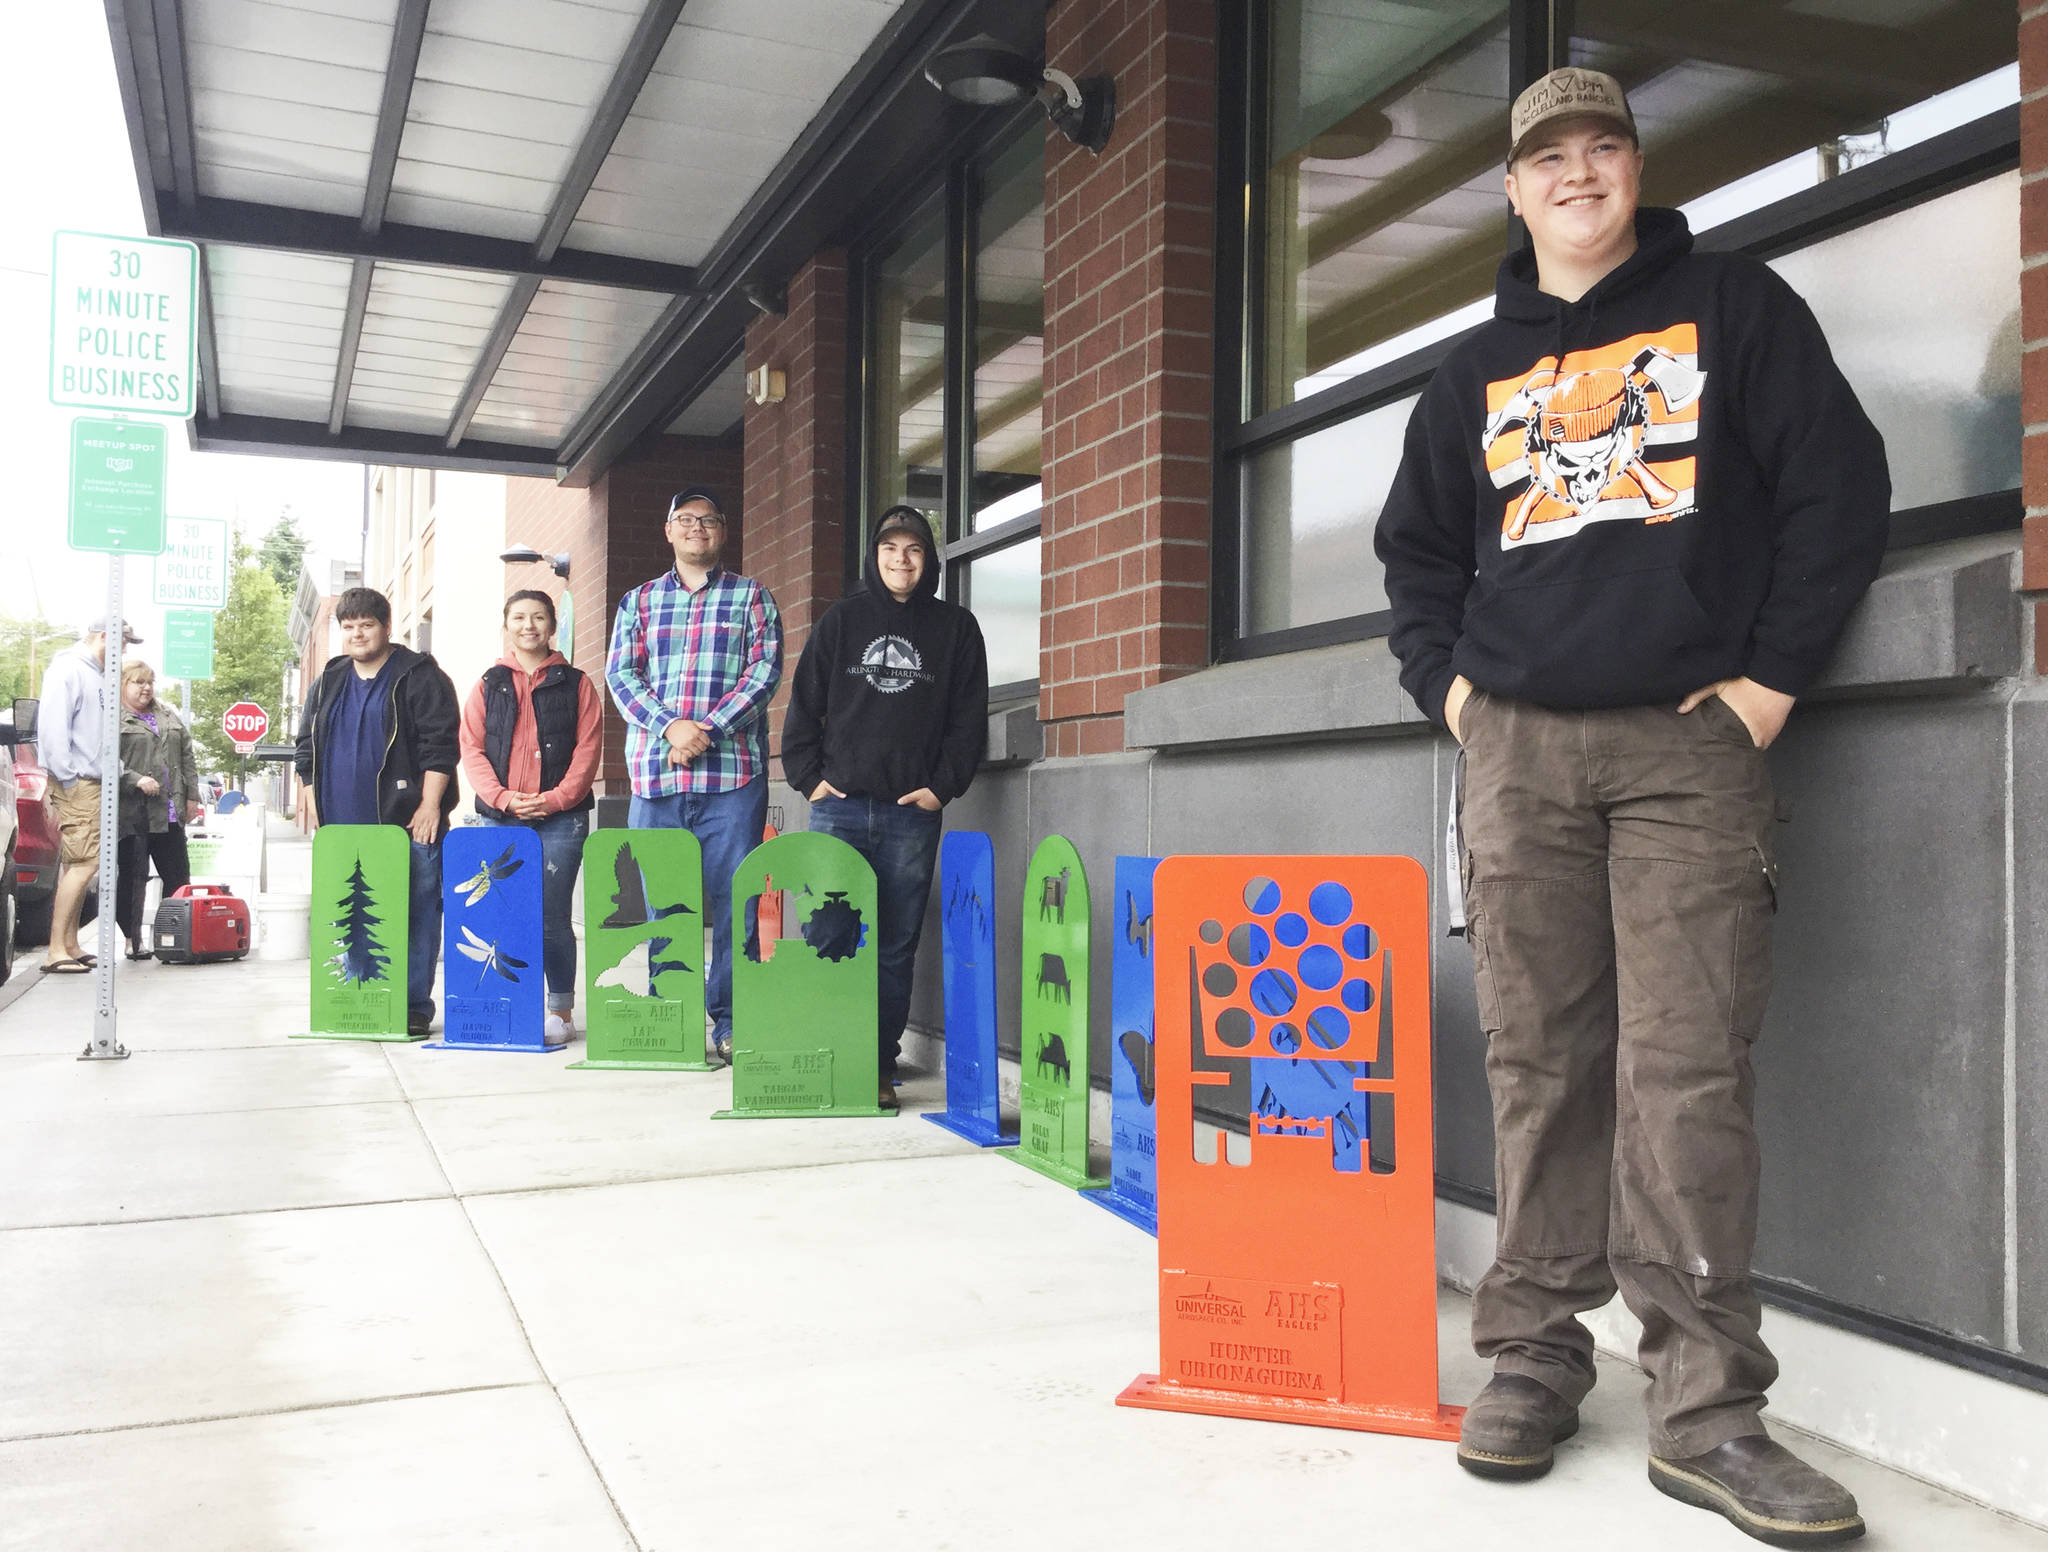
x: 275, y: 1294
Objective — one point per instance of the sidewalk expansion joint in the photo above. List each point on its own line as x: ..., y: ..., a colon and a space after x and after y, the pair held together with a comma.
x: 279, y: 1411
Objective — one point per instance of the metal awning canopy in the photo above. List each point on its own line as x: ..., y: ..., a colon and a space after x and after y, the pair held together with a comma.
x: 509, y: 235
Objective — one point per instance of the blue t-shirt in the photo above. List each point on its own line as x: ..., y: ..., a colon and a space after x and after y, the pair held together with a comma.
x: 353, y: 751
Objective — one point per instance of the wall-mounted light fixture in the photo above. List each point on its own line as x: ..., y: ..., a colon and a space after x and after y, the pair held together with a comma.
x: 526, y: 555
x: 988, y: 73
x: 765, y: 296
x: 767, y: 385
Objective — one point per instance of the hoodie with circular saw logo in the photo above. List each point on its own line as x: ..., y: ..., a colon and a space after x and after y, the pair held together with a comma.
x: 889, y: 696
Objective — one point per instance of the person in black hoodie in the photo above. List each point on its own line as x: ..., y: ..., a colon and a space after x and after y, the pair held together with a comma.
x: 887, y: 720
x: 378, y: 744
x: 1632, y: 515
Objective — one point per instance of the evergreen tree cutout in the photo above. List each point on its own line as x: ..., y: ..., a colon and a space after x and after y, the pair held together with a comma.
x: 362, y: 957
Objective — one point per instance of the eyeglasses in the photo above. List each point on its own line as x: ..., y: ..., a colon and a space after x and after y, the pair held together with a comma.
x: 692, y: 520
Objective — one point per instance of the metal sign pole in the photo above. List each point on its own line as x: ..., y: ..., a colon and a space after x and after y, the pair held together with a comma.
x: 105, y: 1044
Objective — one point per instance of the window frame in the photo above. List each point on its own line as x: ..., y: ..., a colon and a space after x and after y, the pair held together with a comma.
x: 1955, y: 159
x: 959, y: 187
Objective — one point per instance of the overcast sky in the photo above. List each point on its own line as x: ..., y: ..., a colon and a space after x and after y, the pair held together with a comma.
x: 60, y: 99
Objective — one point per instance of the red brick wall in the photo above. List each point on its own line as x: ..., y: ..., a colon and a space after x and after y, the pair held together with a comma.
x: 1130, y: 309
x: 2034, y: 306
x: 796, y: 463
x: 613, y: 535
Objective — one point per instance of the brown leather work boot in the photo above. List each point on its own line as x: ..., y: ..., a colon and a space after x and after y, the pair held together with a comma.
x: 1764, y: 1490
x: 1510, y: 1427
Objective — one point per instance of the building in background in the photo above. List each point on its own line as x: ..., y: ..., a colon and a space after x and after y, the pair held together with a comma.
x: 1152, y: 398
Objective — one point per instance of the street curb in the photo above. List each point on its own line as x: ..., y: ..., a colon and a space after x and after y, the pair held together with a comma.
x: 18, y: 983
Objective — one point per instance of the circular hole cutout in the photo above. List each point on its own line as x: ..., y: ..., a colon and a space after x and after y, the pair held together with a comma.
x: 1262, y: 897
x: 1360, y: 941
x: 1219, y: 980
x: 1330, y: 904
x: 1234, y: 1028
x: 1285, y: 1039
x: 1328, y: 1028
x: 1291, y: 930
x: 1358, y: 995
x: 1322, y: 967
x: 1249, y: 944
x: 1273, y: 992
x: 1212, y: 932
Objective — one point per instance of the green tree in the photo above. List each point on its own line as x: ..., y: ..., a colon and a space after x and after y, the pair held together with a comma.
x: 284, y: 548
x: 252, y: 647
x: 18, y: 657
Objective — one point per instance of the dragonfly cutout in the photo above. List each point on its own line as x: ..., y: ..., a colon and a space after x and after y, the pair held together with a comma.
x: 475, y: 887
x: 489, y: 956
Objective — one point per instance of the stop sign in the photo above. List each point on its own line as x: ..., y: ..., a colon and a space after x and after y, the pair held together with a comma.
x: 245, y: 722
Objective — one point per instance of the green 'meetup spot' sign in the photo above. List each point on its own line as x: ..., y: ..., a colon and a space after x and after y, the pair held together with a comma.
x: 121, y: 324
x: 188, y: 644
x: 117, y: 486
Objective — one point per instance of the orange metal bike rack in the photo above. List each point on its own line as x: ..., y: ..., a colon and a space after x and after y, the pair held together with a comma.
x: 1298, y: 1285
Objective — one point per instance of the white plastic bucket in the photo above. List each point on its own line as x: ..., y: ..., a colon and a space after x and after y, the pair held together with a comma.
x: 283, y: 926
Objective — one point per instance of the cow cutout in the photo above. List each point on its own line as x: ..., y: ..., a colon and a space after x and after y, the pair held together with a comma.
x: 1053, y: 1031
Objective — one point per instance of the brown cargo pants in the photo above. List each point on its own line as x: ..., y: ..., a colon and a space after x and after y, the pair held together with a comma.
x: 1619, y: 890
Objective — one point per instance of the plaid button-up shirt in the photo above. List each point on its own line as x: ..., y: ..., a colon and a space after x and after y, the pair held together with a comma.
x: 713, y: 656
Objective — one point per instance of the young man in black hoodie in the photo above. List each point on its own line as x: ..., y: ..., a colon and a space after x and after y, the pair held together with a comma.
x: 377, y: 745
x: 1632, y: 515
x: 887, y: 720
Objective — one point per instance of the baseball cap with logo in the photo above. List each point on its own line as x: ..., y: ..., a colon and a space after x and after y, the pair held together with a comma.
x: 1568, y: 93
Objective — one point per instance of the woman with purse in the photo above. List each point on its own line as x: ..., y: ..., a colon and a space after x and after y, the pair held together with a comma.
x: 159, y: 784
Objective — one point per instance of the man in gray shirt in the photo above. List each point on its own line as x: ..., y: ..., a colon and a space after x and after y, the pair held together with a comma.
x: 68, y: 732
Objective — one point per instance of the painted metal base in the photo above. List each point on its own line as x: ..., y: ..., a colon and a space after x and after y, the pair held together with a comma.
x: 1154, y: 1394
x: 489, y: 1045
x: 1072, y: 1179
x: 648, y: 1066
x: 1132, y: 1212
x: 971, y: 1128
x: 799, y: 1115
x: 317, y: 1034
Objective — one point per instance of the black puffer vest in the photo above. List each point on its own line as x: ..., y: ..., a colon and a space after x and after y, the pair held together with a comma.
x: 556, y: 701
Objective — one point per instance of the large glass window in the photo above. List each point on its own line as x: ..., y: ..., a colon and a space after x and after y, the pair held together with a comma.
x: 1372, y: 156
x: 907, y: 370
x: 956, y: 432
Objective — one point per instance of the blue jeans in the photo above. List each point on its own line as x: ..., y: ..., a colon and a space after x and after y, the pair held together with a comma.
x: 901, y: 843
x: 727, y: 826
x: 423, y: 935
x: 561, y: 851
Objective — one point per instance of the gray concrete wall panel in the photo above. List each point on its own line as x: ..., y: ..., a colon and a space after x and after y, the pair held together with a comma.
x: 1879, y: 1067
x: 2029, y: 1099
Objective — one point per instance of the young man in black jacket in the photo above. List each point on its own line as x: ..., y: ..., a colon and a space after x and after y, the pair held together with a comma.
x: 1632, y: 515
x: 888, y: 716
x: 378, y: 744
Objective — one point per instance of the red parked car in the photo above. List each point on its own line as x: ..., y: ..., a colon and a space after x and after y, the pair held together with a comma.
x: 33, y: 863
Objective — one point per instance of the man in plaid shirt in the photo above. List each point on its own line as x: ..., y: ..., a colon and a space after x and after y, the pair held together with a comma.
x: 695, y: 658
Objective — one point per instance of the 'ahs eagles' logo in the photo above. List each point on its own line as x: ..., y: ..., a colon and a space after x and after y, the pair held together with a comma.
x: 889, y: 664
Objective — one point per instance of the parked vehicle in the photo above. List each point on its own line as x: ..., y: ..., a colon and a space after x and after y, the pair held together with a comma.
x: 9, y: 826
x: 32, y: 868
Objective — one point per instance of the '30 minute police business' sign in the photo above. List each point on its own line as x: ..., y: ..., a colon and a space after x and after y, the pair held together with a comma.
x: 121, y: 324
